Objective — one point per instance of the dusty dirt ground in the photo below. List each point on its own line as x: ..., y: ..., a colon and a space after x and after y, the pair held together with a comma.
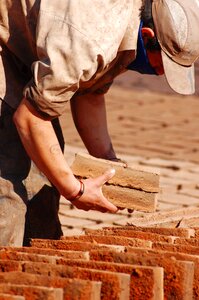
x: 146, y: 118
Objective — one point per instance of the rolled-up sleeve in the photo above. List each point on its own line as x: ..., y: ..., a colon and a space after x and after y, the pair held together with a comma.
x: 66, y: 58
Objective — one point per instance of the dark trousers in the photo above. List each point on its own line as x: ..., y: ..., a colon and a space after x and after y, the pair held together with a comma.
x: 29, y: 204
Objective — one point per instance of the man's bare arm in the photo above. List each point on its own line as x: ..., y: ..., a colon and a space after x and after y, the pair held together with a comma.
x: 40, y: 142
x: 89, y: 115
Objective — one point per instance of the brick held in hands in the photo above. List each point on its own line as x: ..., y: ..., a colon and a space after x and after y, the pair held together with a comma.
x: 129, y: 188
x: 86, y: 165
x: 130, y: 198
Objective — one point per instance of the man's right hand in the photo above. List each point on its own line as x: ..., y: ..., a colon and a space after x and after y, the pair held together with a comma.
x: 93, y: 198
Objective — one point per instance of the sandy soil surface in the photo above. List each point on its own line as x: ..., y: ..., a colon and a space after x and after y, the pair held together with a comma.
x: 146, y: 118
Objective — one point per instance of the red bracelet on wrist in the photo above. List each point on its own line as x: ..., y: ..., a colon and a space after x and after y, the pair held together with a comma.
x: 80, y: 193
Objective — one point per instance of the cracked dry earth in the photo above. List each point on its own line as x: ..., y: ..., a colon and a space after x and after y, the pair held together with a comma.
x: 125, y: 256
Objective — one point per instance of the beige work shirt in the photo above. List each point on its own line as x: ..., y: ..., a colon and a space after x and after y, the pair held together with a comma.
x: 52, y: 50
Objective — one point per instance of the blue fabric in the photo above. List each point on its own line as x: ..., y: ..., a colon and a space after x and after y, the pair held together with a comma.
x: 141, y: 63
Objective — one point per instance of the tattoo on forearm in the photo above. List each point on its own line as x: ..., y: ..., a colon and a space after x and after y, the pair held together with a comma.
x: 55, y: 149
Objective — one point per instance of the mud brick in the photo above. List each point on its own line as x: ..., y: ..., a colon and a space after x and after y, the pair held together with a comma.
x: 191, y: 242
x: 120, y: 190
x: 10, y: 297
x: 9, y: 266
x: 18, y: 256
x: 86, y: 165
x: 109, y: 240
x: 130, y: 198
x: 115, y: 285
x: 196, y: 232
x: 176, y: 248
x: 191, y: 222
x: 48, y: 252
x: 177, y: 232
x: 176, y: 281
x: 33, y: 292
x: 73, y: 245
x: 178, y: 256
x: 37, y: 254
x: 169, y: 218
x: 73, y: 289
x: 131, y: 234
x: 146, y: 282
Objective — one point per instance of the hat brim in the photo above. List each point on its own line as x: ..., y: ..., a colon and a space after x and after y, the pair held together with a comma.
x: 180, y: 78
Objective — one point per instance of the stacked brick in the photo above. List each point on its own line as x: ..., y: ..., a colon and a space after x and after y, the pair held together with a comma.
x: 121, y: 263
x: 129, y: 188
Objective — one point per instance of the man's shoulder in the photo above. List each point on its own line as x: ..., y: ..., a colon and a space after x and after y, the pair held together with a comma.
x: 103, y: 81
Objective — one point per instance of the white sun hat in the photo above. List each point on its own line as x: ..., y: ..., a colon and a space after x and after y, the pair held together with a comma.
x: 177, y: 29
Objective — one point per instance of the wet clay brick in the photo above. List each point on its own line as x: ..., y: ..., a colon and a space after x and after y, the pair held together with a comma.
x: 115, y: 284
x: 163, y: 219
x: 180, y: 232
x: 176, y: 248
x: 9, y: 266
x: 23, y: 256
x: 196, y: 232
x: 73, y: 289
x: 176, y: 282
x: 146, y: 282
x: 48, y: 252
x: 72, y: 245
x: 33, y: 293
x: 110, y: 240
x: 131, y: 234
x: 13, y: 255
x: 53, y: 252
x: 10, y: 297
x: 88, y: 166
x: 178, y: 256
x: 192, y: 242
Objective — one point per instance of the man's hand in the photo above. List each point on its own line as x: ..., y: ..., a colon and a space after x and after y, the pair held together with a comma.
x: 93, y: 198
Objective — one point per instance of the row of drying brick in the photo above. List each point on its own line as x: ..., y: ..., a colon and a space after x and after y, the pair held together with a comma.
x: 114, y: 263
